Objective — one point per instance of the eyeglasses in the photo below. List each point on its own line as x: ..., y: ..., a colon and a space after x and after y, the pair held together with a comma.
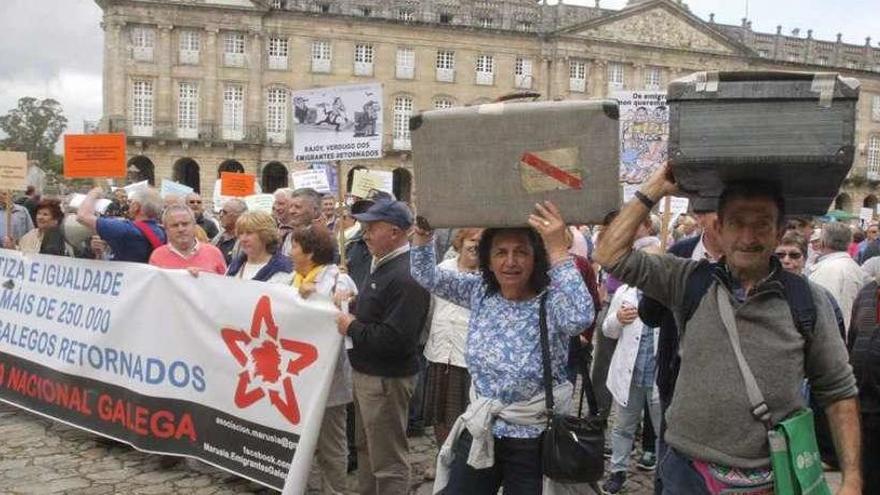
x: 795, y: 255
x: 194, y: 202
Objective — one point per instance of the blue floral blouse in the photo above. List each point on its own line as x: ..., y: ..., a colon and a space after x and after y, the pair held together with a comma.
x: 503, y: 352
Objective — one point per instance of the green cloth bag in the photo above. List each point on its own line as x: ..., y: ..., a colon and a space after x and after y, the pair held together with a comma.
x: 794, y: 457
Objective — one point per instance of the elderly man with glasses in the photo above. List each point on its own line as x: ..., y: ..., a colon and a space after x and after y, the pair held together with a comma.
x: 227, y: 241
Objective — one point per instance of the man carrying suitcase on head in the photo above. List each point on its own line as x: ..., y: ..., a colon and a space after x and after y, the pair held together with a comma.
x: 716, y: 438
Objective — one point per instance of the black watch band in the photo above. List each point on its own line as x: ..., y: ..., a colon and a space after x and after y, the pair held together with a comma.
x: 649, y: 204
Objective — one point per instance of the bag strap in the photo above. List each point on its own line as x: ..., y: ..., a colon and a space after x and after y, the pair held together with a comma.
x: 760, y: 411
x: 587, y: 390
x: 151, y: 236
x: 545, y: 356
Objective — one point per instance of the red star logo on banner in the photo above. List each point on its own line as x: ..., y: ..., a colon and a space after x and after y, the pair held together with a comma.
x: 267, y: 362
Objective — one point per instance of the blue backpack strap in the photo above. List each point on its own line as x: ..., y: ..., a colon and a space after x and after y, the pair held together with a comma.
x: 800, y: 302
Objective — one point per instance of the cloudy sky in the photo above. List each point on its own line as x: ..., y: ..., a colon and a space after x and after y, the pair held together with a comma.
x: 53, y: 48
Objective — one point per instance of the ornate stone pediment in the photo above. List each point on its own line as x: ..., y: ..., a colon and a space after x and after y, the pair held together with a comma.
x: 662, y: 25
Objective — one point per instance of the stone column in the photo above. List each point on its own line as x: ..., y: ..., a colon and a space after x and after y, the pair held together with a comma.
x: 254, y: 108
x: 115, y: 61
x: 165, y: 94
x: 208, y: 60
x: 597, y: 86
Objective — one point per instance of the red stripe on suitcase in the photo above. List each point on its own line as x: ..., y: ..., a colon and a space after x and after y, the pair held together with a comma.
x: 551, y: 170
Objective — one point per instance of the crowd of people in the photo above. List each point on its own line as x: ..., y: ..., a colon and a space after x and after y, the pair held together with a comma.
x: 444, y: 327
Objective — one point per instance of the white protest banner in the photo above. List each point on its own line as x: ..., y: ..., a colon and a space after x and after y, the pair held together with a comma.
x: 337, y: 123
x: 13, y: 170
x: 260, y: 202
x: 677, y: 206
x: 174, y: 188
x: 866, y: 215
x: 315, y: 179
x: 644, y: 133
x: 330, y: 170
x: 365, y: 181
x: 235, y: 373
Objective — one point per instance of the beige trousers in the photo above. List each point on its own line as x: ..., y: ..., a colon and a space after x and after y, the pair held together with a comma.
x: 381, y: 408
x: 332, y: 451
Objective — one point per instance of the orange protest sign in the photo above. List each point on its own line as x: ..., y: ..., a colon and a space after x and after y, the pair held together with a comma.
x: 233, y: 184
x: 88, y: 156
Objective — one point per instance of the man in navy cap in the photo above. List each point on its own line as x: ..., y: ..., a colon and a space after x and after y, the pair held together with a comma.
x: 385, y: 331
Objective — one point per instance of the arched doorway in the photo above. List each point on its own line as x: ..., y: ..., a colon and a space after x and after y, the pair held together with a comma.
x: 350, y: 177
x: 230, y: 166
x: 186, y: 171
x: 402, y: 184
x: 274, y: 177
x: 843, y: 202
x: 870, y: 202
x: 140, y: 168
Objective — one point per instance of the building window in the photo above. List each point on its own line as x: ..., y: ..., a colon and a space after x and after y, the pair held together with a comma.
x: 188, y: 110
x: 324, y: 8
x: 363, y: 59
x: 445, y: 65
x: 653, y: 78
x: 445, y: 18
x: 142, y: 108
x: 615, y: 75
x: 277, y: 4
x: 406, y: 15
x: 852, y: 64
x: 143, y: 39
x: 443, y: 103
x: 406, y: 63
x: 403, y: 107
x: 321, y: 56
x: 190, y: 46
x: 577, y: 76
x: 875, y: 108
x: 486, y: 22
x: 365, y: 11
x: 763, y: 53
x: 522, y: 73
x: 485, y: 70
x: 233, y: 49
x: 276, y: 115
x: 874, y: 158
x: 822, y: 60
x: 233, y: 112
x: 525, y: 26
x: 278, y: 49
x: 793, y: 57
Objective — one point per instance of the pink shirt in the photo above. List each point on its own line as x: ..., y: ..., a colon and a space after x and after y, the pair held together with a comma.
x: 207, y: 258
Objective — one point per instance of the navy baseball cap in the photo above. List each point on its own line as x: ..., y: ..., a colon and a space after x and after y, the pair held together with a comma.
x: 362, y: 205
x: 393, y: 212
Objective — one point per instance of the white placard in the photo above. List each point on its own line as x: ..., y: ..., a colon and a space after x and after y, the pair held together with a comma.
x: 260, y: 202
x: 137, y: 186
x: 338, y: 123
x: 866, y: 215
x: 174, y: 188
x: 315, y: 179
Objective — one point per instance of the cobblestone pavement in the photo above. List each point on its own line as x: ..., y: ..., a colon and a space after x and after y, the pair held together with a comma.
x: 40, y: 456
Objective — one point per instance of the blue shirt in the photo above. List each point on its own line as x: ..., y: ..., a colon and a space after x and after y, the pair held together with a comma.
x: 503, y: 349
x: 127, y: 241
x: 643, y: 370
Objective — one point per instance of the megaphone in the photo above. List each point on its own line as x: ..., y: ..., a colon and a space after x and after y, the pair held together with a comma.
x: 75, y: 233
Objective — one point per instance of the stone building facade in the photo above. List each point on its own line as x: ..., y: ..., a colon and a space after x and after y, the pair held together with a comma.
x: 201, y: 86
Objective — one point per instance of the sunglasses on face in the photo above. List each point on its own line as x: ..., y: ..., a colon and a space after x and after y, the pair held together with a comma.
x: 795, y: 255
x: 194, y: 202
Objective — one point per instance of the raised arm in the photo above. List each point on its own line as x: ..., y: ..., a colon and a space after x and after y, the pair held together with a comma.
x: 86, y: 213
x: 453, y: 286
x: 617, y: 239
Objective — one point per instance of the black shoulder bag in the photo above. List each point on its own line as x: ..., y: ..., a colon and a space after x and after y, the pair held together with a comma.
x: 571, y: 446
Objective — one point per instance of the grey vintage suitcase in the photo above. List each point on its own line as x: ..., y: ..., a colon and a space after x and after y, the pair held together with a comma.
x: 486, y: 166
x: 796, y: 129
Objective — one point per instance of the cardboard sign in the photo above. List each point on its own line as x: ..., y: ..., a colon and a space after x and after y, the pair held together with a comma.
x: 89, y: 156
x: 13, y: 170
x: 365, y: 181
x: 866, y: 215
x: 137, y: 186
x: 174, y: 188
x: 234, y: 184
x: 315, y: 179
x: 260, y: 202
